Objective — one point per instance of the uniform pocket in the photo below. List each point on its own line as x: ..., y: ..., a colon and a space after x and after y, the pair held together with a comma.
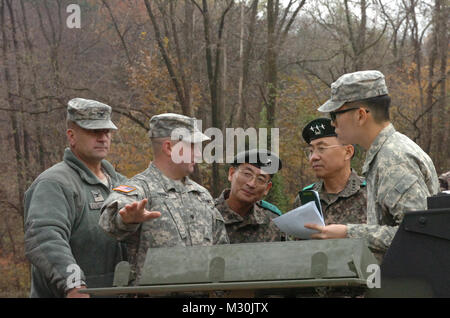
x: 393, y: 196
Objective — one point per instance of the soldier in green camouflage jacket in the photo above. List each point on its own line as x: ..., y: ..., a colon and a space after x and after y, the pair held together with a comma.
x: 162, y: 207
x: 247, y: 217
x: 342, y: 192
x: 399, y: 174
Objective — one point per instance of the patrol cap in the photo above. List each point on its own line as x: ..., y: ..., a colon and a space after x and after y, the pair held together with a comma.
x: 263, y: 159
x: 353, y: 87
x: 318, y: 128
x: 90, y: 114
x: 176, y: 126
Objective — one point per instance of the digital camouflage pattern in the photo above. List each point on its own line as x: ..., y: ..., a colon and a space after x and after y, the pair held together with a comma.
x: 354, y: 86
x: 182, y: 127
x: 444, y: 180
x: 188, y: 216
x: 90, y: 114
x: 256, y: 226
x: 347, y: 206
x: 400, y: 176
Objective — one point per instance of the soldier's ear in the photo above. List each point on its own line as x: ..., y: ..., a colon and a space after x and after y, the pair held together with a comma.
x: 166, y: 147
x: 268, y: 187
x: 70, y: 133
x: 363, y: 115
x: 349, y: 152
x: 231, y: 171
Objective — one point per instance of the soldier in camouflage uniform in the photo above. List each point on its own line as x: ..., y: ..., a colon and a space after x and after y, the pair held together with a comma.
x: 399, y: 174
x: 63, y: 242
x: 342, y: 192
x: 162, y: 207
x: 247, y: 217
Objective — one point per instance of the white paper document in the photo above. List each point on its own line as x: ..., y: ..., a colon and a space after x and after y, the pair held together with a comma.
x: 293, y: 221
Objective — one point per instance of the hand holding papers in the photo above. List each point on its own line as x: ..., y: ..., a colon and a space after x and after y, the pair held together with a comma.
x: 293, y: 221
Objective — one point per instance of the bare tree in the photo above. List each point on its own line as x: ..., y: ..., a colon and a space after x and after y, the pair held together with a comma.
x: 178, y: 68
x: 214, y: 66
x: 278, y: 26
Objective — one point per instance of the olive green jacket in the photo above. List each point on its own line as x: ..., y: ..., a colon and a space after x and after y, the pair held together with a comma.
x: 62, y: 209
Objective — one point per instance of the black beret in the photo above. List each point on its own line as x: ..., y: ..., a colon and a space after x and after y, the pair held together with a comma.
x: 262, y: 158
x: 318, y: 128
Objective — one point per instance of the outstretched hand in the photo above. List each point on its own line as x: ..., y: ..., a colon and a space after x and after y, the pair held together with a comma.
x: 136, y: 213
x: 73, y: 293
x: 331, y: 231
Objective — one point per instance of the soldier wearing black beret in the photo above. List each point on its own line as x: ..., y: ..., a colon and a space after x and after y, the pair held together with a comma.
x: 247, y: 217
x: 342, y: 192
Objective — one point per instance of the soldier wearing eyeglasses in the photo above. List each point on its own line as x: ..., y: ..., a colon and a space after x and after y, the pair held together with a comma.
x: 342, y: 192
x: 247, y: 217
x: 399, y: 174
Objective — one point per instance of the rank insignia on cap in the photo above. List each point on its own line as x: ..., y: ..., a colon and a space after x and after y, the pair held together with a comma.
x: 124, y: 188
x: 318, y: 128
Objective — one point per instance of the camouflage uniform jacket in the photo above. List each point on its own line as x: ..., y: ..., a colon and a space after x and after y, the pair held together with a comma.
x: 188, y: 216
x: 256, y: 226
x: 347, y: 206
x: 62, y: 209
x: 400, y: 176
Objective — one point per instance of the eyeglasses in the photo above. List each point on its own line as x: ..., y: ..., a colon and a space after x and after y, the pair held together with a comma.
x: 333, y: 114
x: 247, y: 176
x: 309, y: 151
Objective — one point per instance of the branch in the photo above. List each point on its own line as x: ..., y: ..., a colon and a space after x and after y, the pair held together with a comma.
x: 291, y: 20
x: 116, y: 27
x: 15, y: 207
x: 349, y: 27
x: 165, y: 55
x: 197, y: 5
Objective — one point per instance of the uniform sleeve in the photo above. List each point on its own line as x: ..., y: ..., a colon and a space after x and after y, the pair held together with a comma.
x: 379, y: 237
x: 49, y: 218
x: 401, y: 189
x: 220, y: 232
x: 110, y: 219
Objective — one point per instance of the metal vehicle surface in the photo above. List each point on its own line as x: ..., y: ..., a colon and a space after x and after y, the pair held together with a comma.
x: 417, y: 264
x: 251, y: 269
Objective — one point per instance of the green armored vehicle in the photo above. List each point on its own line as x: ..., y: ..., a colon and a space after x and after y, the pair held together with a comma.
x: 293, y: 268
x: 417, y: 264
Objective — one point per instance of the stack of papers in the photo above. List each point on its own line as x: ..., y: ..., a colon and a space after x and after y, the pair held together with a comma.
x: 293, y: 221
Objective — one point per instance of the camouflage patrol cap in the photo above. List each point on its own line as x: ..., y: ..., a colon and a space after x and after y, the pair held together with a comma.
x: 318, y: 128
x: 263, y: 159
x: 90, y: 114
x: 353, y: 87
x: 176, y: 126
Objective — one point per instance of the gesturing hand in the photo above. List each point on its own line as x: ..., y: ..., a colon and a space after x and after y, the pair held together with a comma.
x: 331, y: 231
x: 136, y: 213
x: 73, y: 293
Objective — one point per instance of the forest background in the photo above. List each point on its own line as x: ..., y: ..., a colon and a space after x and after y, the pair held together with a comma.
x: 229, y: 63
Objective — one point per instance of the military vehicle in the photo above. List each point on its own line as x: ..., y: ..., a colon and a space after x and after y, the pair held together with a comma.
x: 417, y: 264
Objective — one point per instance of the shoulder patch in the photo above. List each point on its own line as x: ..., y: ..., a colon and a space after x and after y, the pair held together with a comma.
x: 308, y: 187
x: 269, y: 206
x: 124, y: 188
